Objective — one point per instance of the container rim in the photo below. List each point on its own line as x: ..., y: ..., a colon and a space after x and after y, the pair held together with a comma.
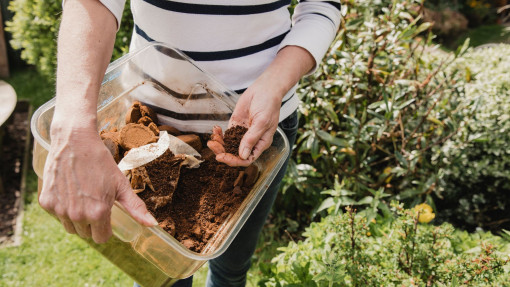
x: 117, y: 63
x: 33, y: 123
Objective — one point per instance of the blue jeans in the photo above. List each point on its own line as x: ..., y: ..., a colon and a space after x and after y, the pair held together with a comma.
x: 230, y: 268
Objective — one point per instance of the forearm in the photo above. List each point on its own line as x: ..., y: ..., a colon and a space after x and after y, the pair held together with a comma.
x: 290, y: 64
x: 85, y: 44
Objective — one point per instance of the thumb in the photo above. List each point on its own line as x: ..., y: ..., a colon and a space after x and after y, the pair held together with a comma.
x: 134, y: 205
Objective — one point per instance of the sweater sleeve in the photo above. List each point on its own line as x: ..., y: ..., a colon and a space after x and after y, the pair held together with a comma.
x: 116, y: 7
x: 314, y: 26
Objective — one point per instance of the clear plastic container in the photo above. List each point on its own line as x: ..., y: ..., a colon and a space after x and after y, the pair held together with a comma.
x: 189, y: 99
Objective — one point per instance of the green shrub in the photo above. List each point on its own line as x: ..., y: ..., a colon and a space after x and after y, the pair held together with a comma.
x: 348, y: 250
x: 476, y: 183
x: 34, y: 29
x: 374, y: 113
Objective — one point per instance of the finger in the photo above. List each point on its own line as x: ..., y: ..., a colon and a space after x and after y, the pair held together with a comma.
x: 264, y: 142
x: 68, y: 225
x: 101, y: 231
x: 251, y: 138
x: 216, y: 147
x: 82, y: 229
x: 134, y: 205
x: 232, y: 160
x: 217, y: 138
x: 217, y: 131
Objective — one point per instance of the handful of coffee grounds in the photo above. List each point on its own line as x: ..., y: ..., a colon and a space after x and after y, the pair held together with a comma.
x: 232, y: 139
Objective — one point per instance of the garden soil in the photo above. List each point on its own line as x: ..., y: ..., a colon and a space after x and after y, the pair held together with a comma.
x: 12, y: 152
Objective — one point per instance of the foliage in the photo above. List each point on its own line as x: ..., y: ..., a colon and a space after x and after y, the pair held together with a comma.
x: 374, y: 113
x: 34, y: 28
x: 349, y: 250
x: 476, y: 177
x: 477, y: 11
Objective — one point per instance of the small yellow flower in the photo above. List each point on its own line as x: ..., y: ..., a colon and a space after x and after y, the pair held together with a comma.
x: 368, y: 233
x: 348, y: 150
x: 425, y: 211
x: 387, y: 170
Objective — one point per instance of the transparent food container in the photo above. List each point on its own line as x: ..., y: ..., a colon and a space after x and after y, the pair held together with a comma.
x: 189, y: 99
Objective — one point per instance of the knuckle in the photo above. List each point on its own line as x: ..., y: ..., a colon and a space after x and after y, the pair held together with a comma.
x: 46, y: 203
x: 59, y: 212
x: 265, y: 122
x: 98, y: 213
x: 76, y: 216
x: 250, y: 139
x: 137, y: 203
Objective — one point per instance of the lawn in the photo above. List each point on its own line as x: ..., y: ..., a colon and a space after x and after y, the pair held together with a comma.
x: 484, y: 35
x: 48, y: 256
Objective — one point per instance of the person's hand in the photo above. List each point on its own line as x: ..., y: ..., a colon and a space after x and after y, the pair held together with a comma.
x: 81, y: 182
x: 258, y: 109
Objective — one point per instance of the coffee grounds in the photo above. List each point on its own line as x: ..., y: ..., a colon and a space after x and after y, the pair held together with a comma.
x: 136, y: 135
x: 190, y: 204
x: 164, y: 173
x: 232, y: 139
x: 203, y: 199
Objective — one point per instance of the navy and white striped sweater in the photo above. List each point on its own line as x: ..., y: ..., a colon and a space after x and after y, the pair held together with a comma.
x: 234, y: 40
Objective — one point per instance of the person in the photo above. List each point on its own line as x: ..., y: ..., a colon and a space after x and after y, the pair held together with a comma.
x: 252, y: 46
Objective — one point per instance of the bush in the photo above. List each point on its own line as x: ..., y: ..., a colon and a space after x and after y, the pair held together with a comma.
x: 348, y: 250
x: 476, y: 181
x: 374, y: 113
x: 34, y: 29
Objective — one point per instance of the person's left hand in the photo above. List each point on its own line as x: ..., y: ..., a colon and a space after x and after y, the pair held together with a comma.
x: 258, y: 109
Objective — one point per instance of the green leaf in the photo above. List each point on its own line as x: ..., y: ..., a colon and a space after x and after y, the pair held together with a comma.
x: 462, y: 49
x: 434, y: 120
x: 365, y: 200
x: 423, y: 27
x: 331, y: 139
x: 327, y: 203
x: 401, y: 159
x: 375, y: 105
x: 405, y: 104
x: 409, y: 193
x: 332, y: 115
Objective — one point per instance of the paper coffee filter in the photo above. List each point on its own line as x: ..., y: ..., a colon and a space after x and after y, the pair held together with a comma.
x: 142, y: 155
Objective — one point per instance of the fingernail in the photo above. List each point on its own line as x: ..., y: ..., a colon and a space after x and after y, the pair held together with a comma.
x: 151, y: 219
x: 246, y: 153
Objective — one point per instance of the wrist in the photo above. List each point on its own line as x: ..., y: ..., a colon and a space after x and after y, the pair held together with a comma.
x: 65, y: 126
x: 274, y: 88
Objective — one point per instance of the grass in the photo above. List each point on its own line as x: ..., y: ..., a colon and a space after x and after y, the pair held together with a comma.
x: 483, y: 35
x: 48, y: 256
x: 31, y: 86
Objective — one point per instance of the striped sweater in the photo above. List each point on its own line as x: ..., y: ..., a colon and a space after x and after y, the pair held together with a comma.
x: 234, y: 40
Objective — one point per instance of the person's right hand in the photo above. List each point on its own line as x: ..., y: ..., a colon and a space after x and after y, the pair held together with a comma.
x: 81, y: 182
